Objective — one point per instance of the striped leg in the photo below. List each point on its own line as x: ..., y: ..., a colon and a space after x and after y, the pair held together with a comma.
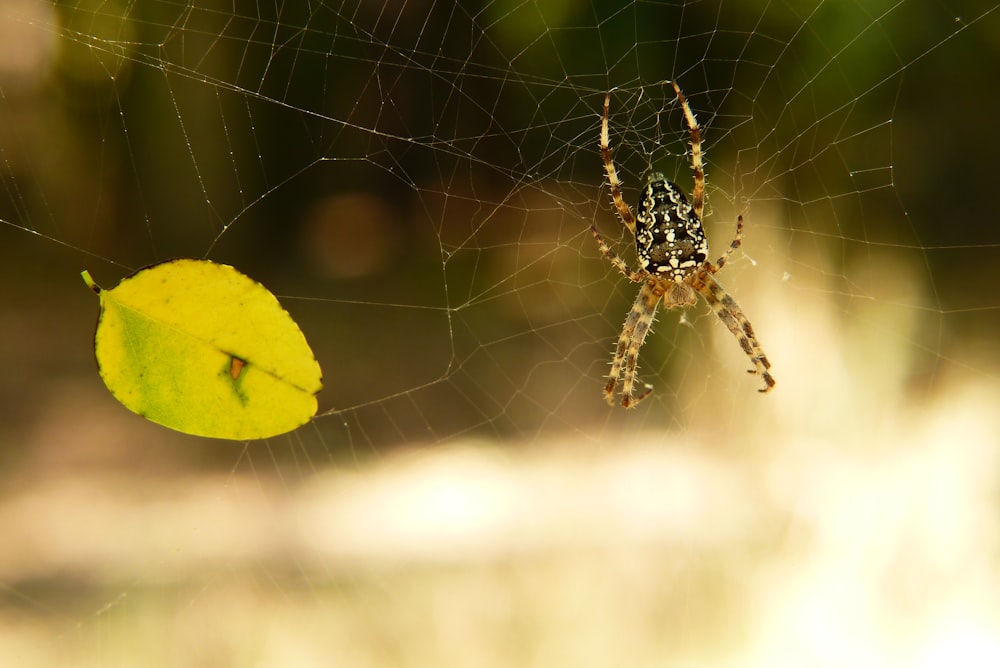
x: 730, y: 313
x: 637, y: 325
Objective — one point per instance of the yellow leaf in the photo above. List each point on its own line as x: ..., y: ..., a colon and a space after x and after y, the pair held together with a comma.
x: 199, y: 347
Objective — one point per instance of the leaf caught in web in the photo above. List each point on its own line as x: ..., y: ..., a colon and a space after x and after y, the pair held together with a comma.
x: 200, y: 348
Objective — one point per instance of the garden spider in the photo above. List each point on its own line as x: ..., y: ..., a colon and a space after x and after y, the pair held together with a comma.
x: 672, y: 250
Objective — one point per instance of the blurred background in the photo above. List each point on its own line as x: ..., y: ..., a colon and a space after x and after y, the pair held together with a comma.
x: 416, y: 182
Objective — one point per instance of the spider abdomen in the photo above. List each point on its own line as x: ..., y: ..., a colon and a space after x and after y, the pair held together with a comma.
x: 669, y: 238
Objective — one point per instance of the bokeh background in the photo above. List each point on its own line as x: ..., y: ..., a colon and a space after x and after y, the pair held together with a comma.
x: 416, y: 182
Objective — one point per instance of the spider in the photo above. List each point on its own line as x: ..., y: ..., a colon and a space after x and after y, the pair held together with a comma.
x: 672, y: 250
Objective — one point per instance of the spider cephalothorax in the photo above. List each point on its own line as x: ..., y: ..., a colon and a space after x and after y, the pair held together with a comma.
x: 673, y: 262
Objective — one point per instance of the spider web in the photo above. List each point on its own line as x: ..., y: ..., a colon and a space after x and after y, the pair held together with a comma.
x: 416, y: 181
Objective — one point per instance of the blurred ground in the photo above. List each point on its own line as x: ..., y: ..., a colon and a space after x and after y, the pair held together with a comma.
x: 653, y: 552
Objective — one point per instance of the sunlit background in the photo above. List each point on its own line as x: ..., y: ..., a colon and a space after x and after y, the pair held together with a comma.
x: 416, y: 182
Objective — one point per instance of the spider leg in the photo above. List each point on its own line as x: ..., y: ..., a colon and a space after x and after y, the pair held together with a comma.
x: 637, y: 325
x: 698, y: 194
x: 634, y: 276
x: 737, y: 240
x: 609, y: 169
x: 730, y: 313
